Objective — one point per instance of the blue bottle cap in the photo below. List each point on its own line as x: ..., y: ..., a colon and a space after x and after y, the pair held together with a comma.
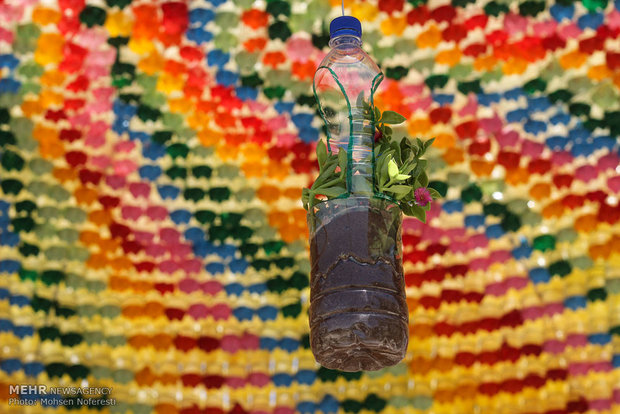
x: 345, y: 25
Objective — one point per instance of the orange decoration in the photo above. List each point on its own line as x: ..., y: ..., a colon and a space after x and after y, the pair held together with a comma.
x: 151, y: 64
x: 586, y: 223
x: 118, y: 283
x: 255, y: 18
x: 90, y: 237
x: 96, y: 261
x: 146, y: 21
x: 303, y: 70
x: 540, y: 191
x: 444, y: 140
x: 517, y: 176
x: 145, y: 377
x: 600, y: 251
x: 85, y: 195
x: 278, y: 171
x: 136, y: 341
x: 430, y: 38
x: 293, y: 193
x: 31, y: 107
x: 419, y: 126
x: 180, y: 105
x: 161, y: 342
x: 573, y: 60
x: 64, y: 174
x: 227, y: 152
x: 51, y: 149
x: 274, y: 59
x: 108, y: 246
x: 391, y: 97
x: 485, y: 63
x: 254, y: 45
x: 253, y: 169
x: 50, y: 98
x: 141, y: 286
x: 291, y: 232
x: 421, y: 331
x: 45, y: 16
x: 49, y: 48
x: 599, y: 72
x: 198, y: 120
x: 394, y: 25
x: 175, y: 68
x: 209, y: 138
x: 165, y: 409
x: 515, y: 66
x: 52, y: 78
x: 420, y: 365
x: 134, y: 311
x: 298, y: 215
x: 555, y: 209
x: 448, y: 57
x: 168, y: 379
x: 277, y: 218
x: 453, y: 156
x: 100, y: 217
x: 268, y: 193
x: 154, y: 309
x: 122, y: 263
x: 481, y: 168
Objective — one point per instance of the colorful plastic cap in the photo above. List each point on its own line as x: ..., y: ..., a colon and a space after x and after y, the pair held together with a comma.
x: 345, y: 25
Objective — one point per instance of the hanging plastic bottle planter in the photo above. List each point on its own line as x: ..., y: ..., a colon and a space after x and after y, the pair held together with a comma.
x: 358, y: 311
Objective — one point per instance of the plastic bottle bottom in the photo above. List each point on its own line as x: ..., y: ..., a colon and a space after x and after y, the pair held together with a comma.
x: 364, y: 332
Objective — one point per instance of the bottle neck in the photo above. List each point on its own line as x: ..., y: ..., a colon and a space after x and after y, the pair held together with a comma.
x: 345, y: 42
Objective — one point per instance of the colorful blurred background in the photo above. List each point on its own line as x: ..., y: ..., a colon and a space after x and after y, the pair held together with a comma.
x: 152, y: 239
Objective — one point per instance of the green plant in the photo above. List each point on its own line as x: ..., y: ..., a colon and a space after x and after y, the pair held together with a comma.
x: 331, y: 181
x: 399, y: 173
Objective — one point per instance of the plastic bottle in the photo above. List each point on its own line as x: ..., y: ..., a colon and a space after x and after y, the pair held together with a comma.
x: 358, y: 312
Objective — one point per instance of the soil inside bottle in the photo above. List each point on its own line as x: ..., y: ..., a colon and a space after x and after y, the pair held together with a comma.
x: 358, y: 312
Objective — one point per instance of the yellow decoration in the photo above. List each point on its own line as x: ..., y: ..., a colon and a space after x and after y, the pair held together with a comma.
x: 118, y: 24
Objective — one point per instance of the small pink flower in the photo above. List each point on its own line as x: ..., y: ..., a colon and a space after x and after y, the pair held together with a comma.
x: 422, y: 196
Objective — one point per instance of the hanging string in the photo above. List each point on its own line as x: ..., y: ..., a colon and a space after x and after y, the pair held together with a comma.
x: 343, y: 7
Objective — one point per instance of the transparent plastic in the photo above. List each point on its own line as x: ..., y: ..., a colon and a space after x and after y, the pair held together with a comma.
x: 346, y: 78
x: 358, y: 310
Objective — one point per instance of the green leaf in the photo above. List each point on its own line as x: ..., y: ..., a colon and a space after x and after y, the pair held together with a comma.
x: 399, y: 189
x: 423, y: 178
x: 377, y: 115
x: 428, y: 143
x: 361, y: 102
x: 305, y: 196
x: 342, y: 161
x: 408, y: 167
x: 333, y: 191
x: 387, y: 131
x: 434, y: 193
x: 325, y: 174
x: 330, y: 183
x: 391, y: 117
x: 394, y: 145
x: 420, y: 144
x: 420, y: 168
x: 321, y: 152
x: 415, y: 211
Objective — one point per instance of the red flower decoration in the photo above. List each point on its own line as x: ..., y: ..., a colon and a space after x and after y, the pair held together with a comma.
x: 391, y: 6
